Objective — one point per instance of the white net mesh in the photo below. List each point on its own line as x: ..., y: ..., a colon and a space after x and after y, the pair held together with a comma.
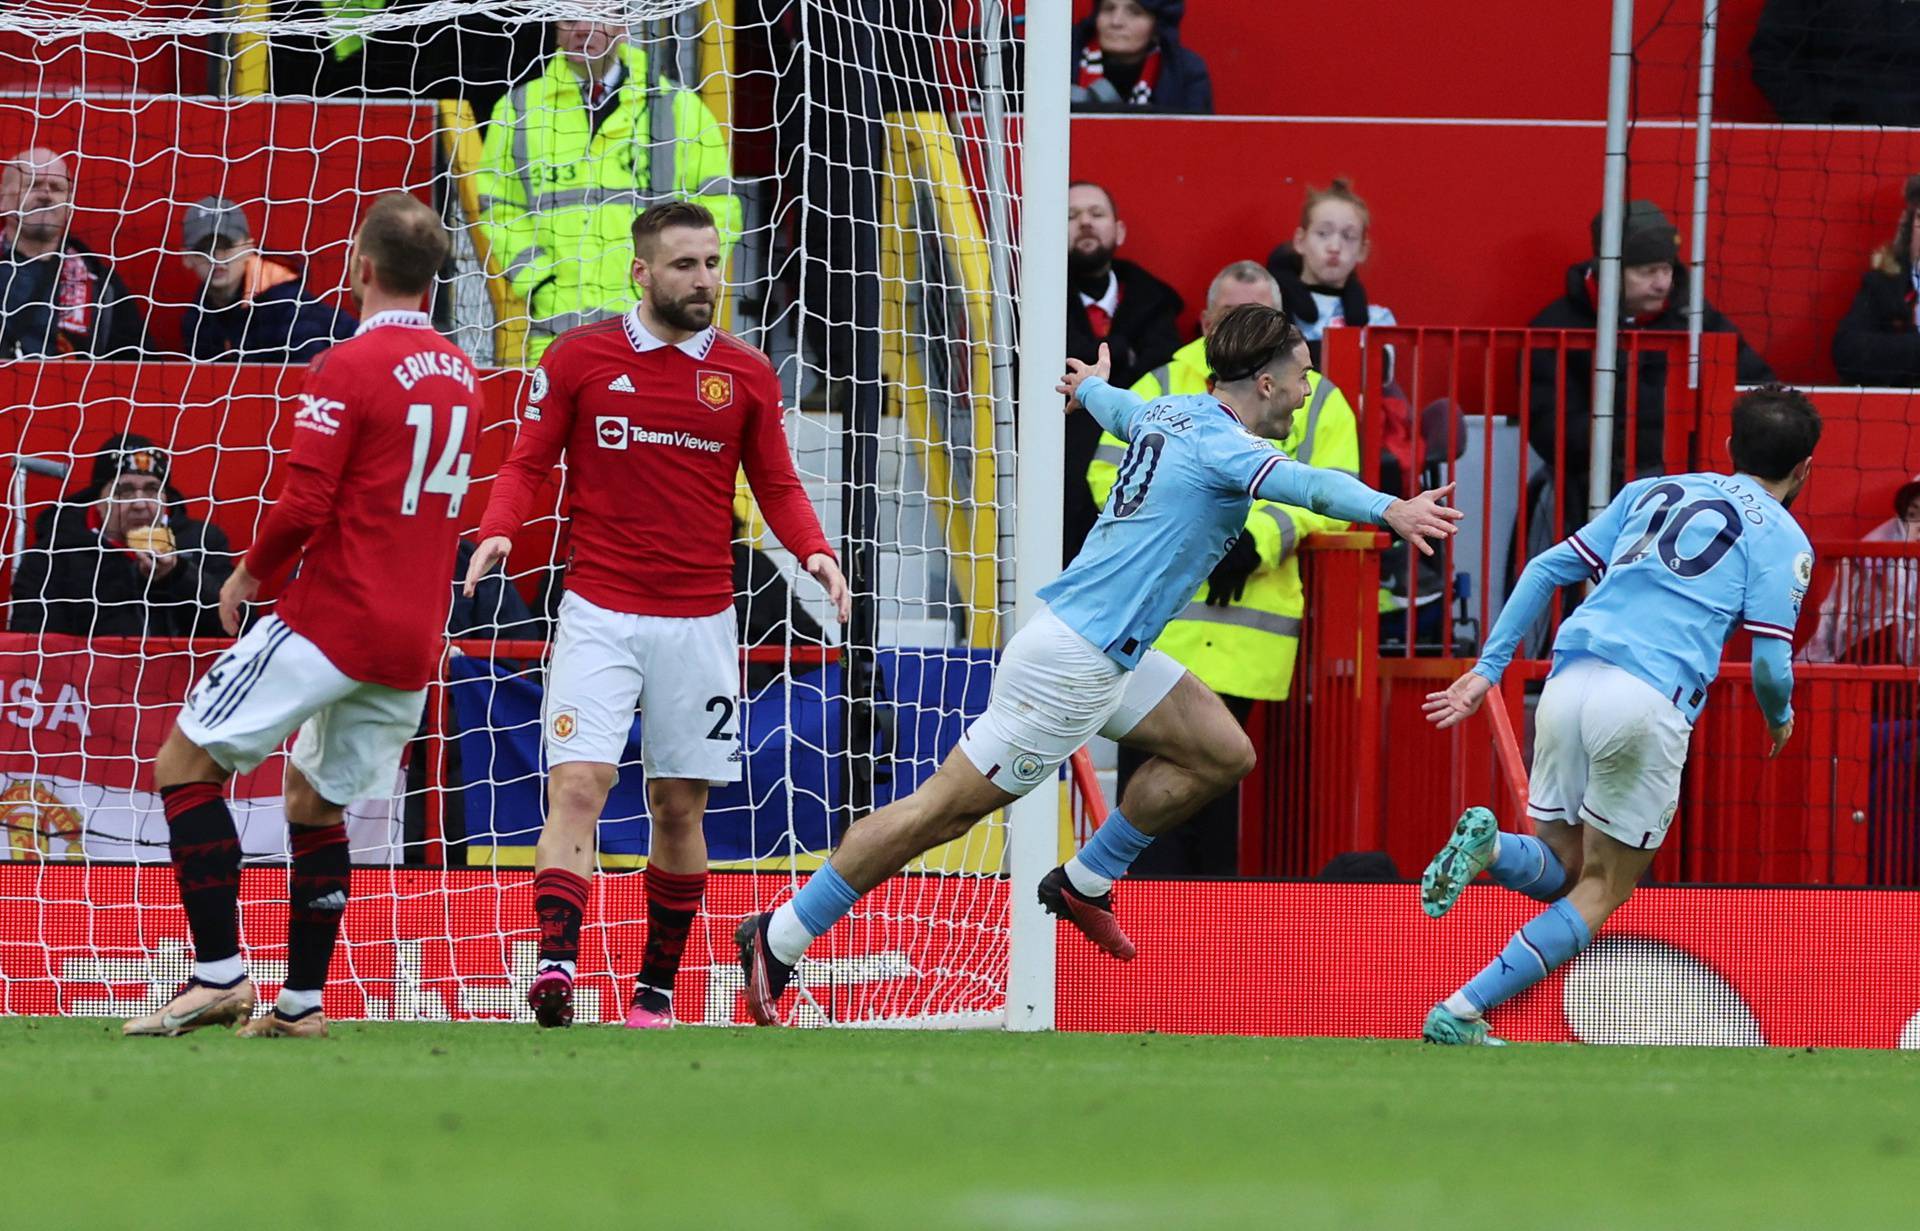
x: 865, y: 211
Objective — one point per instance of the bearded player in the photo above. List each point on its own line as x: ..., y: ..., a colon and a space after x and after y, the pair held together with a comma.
x: 1681, y: 560
x: 657, y: 412
x: 378, y: 468
x: 1085, y: 663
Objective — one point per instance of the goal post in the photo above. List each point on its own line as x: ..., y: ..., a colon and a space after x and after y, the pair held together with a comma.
x: 1035, y: 821
x: 886, y: 291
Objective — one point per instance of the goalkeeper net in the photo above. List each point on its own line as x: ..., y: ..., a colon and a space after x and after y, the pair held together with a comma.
x: 182, y: 187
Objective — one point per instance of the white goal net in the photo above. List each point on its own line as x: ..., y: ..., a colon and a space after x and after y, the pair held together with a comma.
x: 183, y: 183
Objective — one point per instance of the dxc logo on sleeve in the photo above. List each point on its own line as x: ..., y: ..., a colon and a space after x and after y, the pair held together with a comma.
x: 317, y: 413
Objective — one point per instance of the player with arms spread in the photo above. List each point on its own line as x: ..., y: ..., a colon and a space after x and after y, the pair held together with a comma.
x: 1085, y: 665
x: 377, y: 471
x: 657, y: 412
x: 1681, y: 561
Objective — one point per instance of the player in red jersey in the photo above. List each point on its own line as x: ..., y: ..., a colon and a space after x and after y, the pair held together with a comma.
x: 382, y: 442
x: 657, y: 412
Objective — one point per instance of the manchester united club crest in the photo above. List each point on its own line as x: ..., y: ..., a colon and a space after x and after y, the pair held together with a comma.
x: 714, y: 389
x: 564, y: 724
x: 34, y: 819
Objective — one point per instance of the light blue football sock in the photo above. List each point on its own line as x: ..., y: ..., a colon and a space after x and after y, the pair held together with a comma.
x: 1527, y: 865
x: 1536, y: 951
x: 823, y: 900
x: 1107, y: 855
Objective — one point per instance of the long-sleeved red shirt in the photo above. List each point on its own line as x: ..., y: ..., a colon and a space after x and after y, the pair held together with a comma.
x: 654, y: 436
x: 382, y: 444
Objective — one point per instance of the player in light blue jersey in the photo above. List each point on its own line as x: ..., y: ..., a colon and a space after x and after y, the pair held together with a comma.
x: 1085, y: 665
x: 1681, y: 562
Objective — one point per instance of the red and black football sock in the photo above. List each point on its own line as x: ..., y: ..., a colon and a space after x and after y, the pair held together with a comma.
x: 317, y: 897
x: 673, y: 899
x: 560, y: 902
x: 206, y: 862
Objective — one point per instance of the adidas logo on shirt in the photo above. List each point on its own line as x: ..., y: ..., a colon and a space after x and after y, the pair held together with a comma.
x: 621, y: 384
x: 337, y: 900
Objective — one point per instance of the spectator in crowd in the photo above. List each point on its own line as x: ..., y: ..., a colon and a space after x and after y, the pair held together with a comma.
x: 1653, y: 298
x: 1114, y: 301
x: 122, y: 559
x: 1241, y: 633
x: 1127, y: 56
x: 57, y: 297
x: 1319, y: 269
x: 1871, y: 615
x: 574, y: 155
x: 1878, y: 342
x: 251, y: 309
x: 1839, y: 61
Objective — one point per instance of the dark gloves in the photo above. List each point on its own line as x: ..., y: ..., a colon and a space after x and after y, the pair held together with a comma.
x: 1228, y: 581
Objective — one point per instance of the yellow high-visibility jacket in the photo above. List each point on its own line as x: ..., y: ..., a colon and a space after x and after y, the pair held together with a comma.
x: 1248, y: 649
x: 558, y: 199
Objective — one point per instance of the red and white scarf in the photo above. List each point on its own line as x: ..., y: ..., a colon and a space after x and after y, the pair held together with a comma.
x: 1092, y: 72
x: 73, y: 299
x: 73, y: 303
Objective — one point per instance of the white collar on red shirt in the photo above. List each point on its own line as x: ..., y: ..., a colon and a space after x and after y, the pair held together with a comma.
x: 695, y: 347
x: 1109, y: 301
x: 406, y: 320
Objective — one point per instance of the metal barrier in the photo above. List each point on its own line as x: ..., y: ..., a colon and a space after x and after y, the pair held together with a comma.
x: 1350, y: 763
x: 1487, y: 409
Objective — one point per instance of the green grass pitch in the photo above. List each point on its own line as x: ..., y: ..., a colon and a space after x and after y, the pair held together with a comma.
x: 501, y: 1126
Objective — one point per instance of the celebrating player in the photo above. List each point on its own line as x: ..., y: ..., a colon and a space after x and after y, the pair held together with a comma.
x: 382, y: 443
x: 657, y: 412
x: 1680, y: 560
x: 1085, y: 664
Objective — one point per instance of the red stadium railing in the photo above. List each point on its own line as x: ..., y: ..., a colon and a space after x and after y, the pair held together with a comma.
x: 1088, y: 802
x: 1506, y: 748
x: 1349, y: 762
x: 1442, y: 405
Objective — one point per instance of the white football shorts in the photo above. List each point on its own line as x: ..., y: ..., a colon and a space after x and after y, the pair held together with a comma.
x: 682, y: 673
x: 273, y: 682
x: 1054, y: 690
x: 1607, y: 751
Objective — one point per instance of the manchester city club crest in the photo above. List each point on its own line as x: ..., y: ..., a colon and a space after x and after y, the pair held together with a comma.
x: 1028, y: 768
x: 714, y: 389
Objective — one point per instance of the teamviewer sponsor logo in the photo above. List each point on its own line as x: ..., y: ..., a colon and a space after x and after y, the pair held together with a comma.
x: 611, y: 431
x: 677, y: 440
x: 617, y: 432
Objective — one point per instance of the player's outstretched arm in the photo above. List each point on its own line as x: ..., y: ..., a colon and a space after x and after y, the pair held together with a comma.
x: 1459, y: 702
x: 1424, y: 517
x: 1113, y: 408
x: 1079, y: 373
x: 1773, y: 687
x: 1545, y: 573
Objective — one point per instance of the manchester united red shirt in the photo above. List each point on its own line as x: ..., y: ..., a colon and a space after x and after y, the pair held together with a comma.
x: 655, y: 434
x: 379, y: 468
